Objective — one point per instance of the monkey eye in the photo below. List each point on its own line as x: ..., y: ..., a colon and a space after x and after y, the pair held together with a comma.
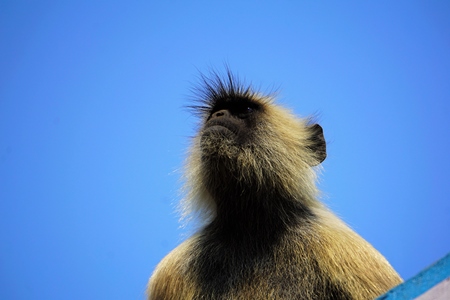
x: 244, y: 110
x: 239, y: 108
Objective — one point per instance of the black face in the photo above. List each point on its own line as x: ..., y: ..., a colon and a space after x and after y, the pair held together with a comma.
x: 232, y: 119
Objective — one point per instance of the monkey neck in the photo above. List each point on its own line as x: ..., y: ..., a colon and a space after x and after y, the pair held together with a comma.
x: 260, y: 216
x: 246, y: 209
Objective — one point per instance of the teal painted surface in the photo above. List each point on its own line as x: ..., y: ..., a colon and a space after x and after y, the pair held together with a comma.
x: 422, y: 282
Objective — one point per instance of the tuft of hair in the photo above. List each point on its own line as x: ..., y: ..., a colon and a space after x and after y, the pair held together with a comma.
x: 214, y: 88
x: 278, y: 156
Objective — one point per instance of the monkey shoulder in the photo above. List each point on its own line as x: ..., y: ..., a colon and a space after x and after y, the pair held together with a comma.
x: 350, y: 260
x: 171, y: 279
x: 323, y: 260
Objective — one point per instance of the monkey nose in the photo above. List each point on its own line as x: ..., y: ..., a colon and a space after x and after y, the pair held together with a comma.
x: 220, y: 113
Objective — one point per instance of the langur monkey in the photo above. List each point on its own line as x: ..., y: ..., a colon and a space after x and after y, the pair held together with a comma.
x: 251, y: 177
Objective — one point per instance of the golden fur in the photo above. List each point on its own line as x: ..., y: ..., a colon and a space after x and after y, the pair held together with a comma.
x: 266, y: 236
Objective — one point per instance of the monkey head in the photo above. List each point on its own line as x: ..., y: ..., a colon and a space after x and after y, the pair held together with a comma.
x: 249, y: 145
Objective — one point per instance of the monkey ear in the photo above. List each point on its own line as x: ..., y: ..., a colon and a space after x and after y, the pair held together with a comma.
x: 317, y: 143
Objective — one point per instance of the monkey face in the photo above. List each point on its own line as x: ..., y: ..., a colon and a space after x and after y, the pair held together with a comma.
x: 231, y: 122
x: 236, y: 124
x: 227, y: 134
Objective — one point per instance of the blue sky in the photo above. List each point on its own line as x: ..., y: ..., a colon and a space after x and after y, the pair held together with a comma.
x: 94, y: 130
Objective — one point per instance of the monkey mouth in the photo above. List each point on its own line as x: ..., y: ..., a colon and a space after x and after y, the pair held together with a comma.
x: 223, y: 127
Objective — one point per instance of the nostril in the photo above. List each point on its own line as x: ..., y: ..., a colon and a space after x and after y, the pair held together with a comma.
x: 219, y: 113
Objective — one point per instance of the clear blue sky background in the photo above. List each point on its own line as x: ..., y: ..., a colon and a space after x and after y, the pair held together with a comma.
x: 93, y: 130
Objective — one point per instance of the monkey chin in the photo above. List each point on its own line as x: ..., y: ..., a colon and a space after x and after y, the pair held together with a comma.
x: 226, y: 131
x: 219, y: 136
